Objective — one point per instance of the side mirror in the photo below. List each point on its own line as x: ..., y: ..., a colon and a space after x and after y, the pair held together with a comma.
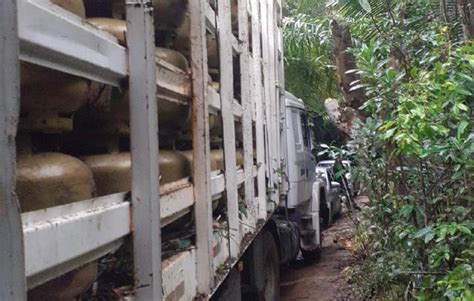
x: 335, y: 185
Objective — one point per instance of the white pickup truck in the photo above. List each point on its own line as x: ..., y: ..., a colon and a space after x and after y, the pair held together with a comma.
x: 332, y: 203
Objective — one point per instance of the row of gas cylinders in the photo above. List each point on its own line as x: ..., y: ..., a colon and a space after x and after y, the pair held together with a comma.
x: 50, y: 98
x: 54, y: 102
x: 50, y: 179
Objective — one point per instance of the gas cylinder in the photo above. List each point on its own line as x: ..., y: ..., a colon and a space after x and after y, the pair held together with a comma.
x: 74, y: 6
x: 67, y: 287
x: 49, y: 98
x: 116, y: 27
x: 217, y: 158
x: 168, y: 16
x: 112, y: 172
x: 50, y: 179
x: 217, y: 155
x: 112, y: 116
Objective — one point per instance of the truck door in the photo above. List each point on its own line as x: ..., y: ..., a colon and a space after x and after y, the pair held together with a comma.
x: 299, y: 179
x: 310, y: 162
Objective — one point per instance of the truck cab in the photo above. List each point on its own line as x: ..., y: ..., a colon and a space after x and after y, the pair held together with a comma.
x: 305, y: 190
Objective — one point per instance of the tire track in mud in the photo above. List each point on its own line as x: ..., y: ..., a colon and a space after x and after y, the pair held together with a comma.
x: 323, y: 280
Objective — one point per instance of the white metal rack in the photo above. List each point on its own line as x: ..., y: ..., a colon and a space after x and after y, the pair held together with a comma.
x: 38, y: 246
x: 53, y: 37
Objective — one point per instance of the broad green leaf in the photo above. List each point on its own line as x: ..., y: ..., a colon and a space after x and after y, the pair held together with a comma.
x: 462, y: 128
x: 365, y: 5
x: 423, y: 232
x: 406, y: 210
x: 464, y: 229
x: 389, y: 133
x: 428, y: 237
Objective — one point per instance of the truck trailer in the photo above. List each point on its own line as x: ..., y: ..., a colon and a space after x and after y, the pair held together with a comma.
x: 150, y: 151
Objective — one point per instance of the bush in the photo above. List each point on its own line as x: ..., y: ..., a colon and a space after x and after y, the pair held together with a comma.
x: 416, y: 152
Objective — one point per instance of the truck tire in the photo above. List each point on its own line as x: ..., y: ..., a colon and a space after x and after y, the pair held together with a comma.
x: 271, y: 269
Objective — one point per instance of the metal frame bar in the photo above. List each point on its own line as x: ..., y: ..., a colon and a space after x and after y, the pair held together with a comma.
x: 146, y: 230
x: 227, y: 95
x: 201, y: 146
x: 257, y: 94
x: 247, y: 108
x: 276, y: 117
x: 12, y: 271
x: 56, y: 38
x: 102, y: 223
x: 268, y: 126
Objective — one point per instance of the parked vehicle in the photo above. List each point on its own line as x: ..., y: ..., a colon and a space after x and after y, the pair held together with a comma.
x: 353, y: 187
x: 151, y: 160
x: 332, y: 192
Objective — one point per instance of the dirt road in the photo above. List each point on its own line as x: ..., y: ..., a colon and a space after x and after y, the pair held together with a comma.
x: 323, y: 280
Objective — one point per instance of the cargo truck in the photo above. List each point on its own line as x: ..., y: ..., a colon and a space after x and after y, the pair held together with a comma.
x: 150, y: 152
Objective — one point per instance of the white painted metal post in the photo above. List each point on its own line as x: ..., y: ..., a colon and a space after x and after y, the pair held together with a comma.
x: 227, y: 97
x: 275, y: 93
x: 257, y: 95
x: 281, y: 97
x: 12, y: 263
x: 201, y: 147
x: 247, y: 107
x: 267, y: 99
x: 146, y: 229
x: 273, y: 114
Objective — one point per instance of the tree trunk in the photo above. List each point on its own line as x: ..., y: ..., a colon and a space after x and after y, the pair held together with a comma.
x: 466, y: 9
x: 345, y: 61
x: 345, y: 113
x: 345, y: 119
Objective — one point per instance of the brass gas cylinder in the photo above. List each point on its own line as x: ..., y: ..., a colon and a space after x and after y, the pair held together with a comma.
x: 173, y: 57
x: 112, y: 172
x: 50, y: 179
x: 217, y: 155
x: 67, y: 287
x: 168, y: 16
x: 217, y: 158
x: 182, y: 43
x: 74, y: 6
x: 50, y: 97
x: 116, y: 27
x: 112, y: 116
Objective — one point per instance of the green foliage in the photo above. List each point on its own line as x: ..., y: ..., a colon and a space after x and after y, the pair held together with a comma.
x: 416, y: 150
x: 310, y: 73
x: 309, y: 64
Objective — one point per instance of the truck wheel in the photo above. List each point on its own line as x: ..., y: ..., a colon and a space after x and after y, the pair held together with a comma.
x: 271, y: 268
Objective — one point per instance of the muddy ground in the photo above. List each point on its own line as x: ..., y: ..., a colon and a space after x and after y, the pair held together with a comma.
x: 325, y: 279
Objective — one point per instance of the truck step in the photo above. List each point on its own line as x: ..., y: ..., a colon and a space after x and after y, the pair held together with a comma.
x: 306, y: 222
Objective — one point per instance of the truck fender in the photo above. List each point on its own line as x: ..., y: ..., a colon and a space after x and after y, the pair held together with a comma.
x: 316, y: 195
